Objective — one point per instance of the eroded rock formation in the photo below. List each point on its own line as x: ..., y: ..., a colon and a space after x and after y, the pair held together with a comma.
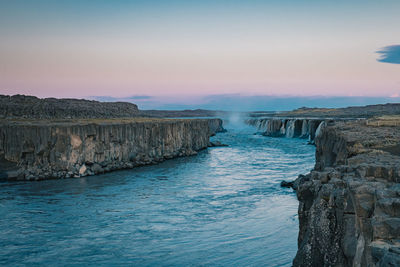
x: 42, y: 150
x: 349, y: 208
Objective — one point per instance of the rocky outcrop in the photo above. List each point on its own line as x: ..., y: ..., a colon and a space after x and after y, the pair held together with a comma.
x: 21, y: 106
x: 34, y: 150
x: 349, y: 210
x: 215, y: 126
x: 286, y: 127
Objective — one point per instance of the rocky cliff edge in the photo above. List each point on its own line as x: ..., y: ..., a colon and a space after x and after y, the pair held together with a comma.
x: 349, y: 208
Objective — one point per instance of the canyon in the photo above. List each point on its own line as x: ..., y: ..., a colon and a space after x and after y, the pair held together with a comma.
x: 349, y: 204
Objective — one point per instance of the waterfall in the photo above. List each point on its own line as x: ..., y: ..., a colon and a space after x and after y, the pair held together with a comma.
x: 305, y: 129
x: 320, y: 127
x: 290, y: 129
x: 282, y: 131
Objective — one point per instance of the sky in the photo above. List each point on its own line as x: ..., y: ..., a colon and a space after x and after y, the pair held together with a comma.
x: 186, y: 53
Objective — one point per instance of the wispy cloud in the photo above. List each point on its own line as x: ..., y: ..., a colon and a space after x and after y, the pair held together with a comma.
x: 390, y: 54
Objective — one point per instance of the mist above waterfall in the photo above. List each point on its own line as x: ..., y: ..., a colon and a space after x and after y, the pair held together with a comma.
x: 235, y: 120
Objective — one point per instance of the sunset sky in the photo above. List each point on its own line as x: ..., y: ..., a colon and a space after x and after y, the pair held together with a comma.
x: 191, y: 49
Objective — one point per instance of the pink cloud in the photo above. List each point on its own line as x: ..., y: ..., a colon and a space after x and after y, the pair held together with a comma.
x: 395, y: 95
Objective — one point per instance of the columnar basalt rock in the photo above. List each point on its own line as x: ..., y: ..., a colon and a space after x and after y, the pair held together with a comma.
x: 40, y: 150
x: 349, y: 208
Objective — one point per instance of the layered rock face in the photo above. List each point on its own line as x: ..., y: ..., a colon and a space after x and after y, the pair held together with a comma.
x: 43, y: 150
x: 349, y: 209
x: 284, y: 127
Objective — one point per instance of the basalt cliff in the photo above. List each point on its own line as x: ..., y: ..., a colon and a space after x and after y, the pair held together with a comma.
x: 63, y: 138
x: 42, y: 150
x: 349, y: 208
x: 349, y: 205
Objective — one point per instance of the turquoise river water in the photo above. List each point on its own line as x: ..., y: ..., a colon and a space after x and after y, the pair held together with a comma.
x: 223, y: 207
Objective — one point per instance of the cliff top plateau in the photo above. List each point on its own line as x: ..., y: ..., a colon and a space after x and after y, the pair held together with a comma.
x: 359, y: 112
x: 85, y: 121
x: 349, y: 112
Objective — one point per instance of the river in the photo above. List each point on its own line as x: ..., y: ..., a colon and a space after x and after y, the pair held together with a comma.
x: 223, y: 207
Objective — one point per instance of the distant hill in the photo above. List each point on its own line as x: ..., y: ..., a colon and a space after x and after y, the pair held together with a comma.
x: 362, y: 112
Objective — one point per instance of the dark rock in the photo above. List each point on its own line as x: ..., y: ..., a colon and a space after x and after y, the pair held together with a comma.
x: 217, y: 144
x: 96, y: 168
x: 287, y: 184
